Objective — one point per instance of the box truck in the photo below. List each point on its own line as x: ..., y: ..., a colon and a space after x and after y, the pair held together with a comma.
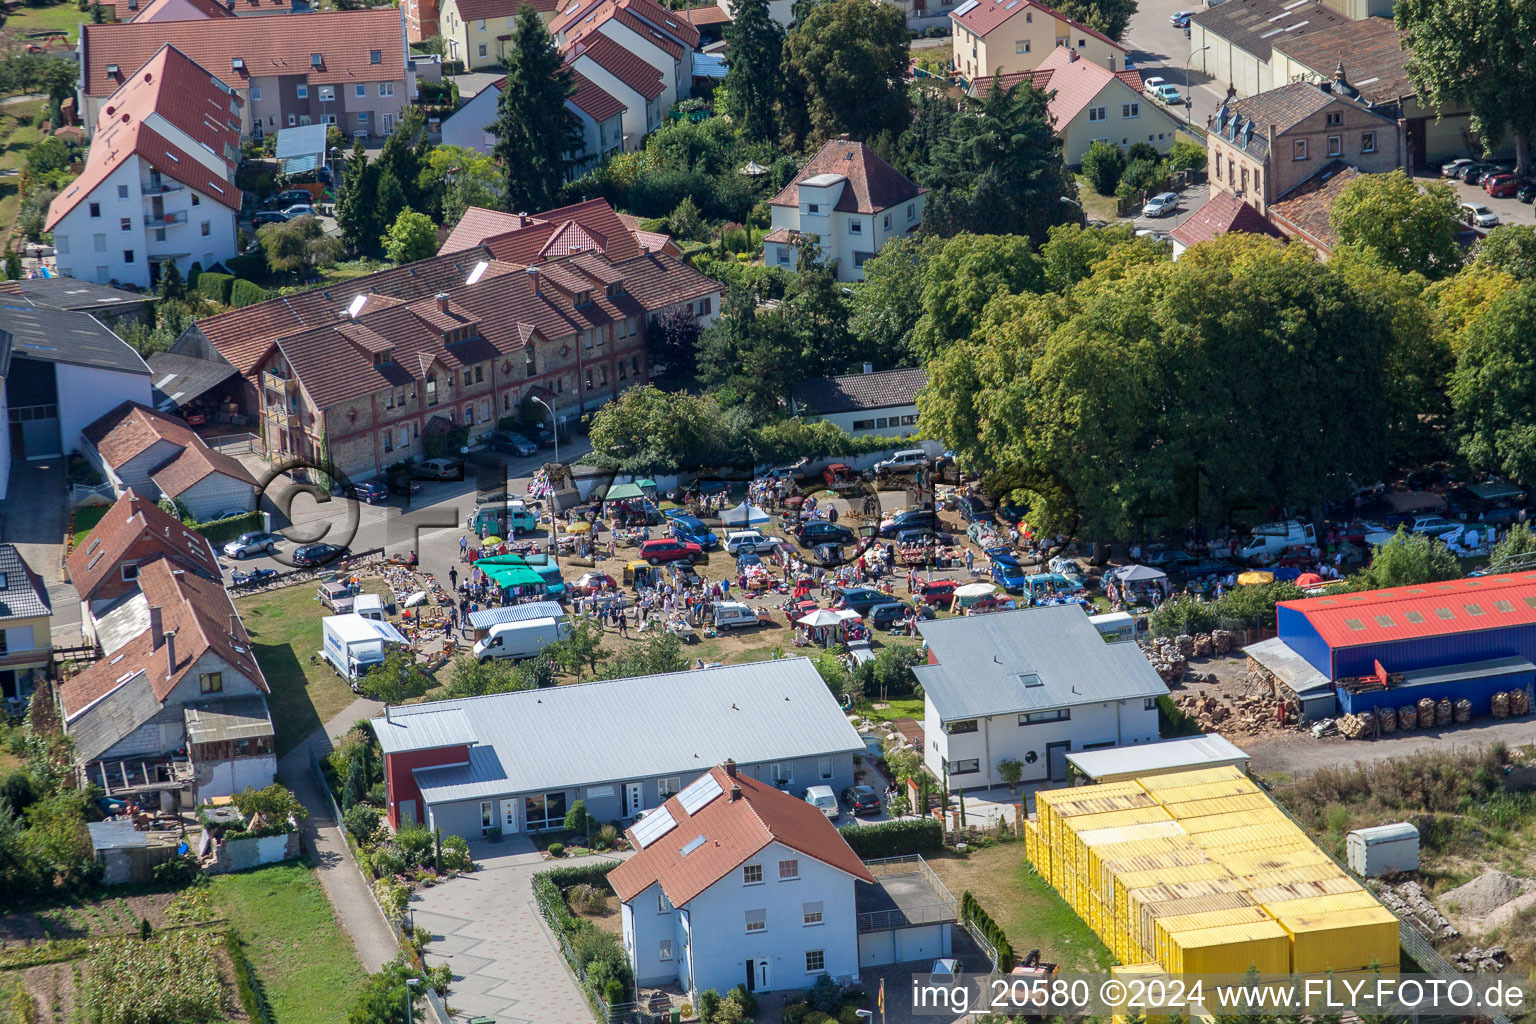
x: 353, y: 644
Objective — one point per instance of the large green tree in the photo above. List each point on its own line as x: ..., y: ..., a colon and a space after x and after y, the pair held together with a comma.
x: 1510, y: 248
x: 1493, y: 388
x: 357, y: 212
x: 536, y: 134
x: 886, y: 305
x: 1110, y: 17
x: 754, y: 62
x: 646, y: 429
x: 962, y: 277
x: 1404, y: 560
x: 1473, y: 52
x: 845, y: 67
x: 1412, y: 228
x: 411, y: 237
x: 456, y: 178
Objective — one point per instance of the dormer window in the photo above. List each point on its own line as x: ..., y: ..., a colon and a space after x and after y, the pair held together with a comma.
x: 583, y: 298
x: 616, y: 289
x: 237, y: 64
x: 112, y: 70
x: 316, y: 60
x: 383, y: 358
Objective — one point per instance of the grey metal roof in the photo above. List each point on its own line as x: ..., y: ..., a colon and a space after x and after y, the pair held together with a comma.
x: 1468, y: 670
x: 116, y: 835
x: 1256, y: 25
x: 624, y: 729
x: 1282, y: 661
x: 488, y: 617
x: 68, y: 293
x: 97, y: 727
x: 1205, y: 751
x: 22, y: 593
x: 442, y: 727
x: 1393, y: 833
x: 121, y: 621
x: 235, y: 718
x: 854, y: 392
x: 62, y: 336
x: 1028, y: 660
x: 179, y: 379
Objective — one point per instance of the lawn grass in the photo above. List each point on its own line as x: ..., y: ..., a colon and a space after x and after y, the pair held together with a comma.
x: 1029, y: 911
x: 86, y: 519
x: 1097, y: 207
x: 285, y: 630
x: 303, y: 959
x: 65, y: 17
x: 18, y: 134
x: 911, y: 707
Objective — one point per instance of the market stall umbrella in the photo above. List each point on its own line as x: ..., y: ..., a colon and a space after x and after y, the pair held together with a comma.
x: 1308, y: 579
x: 1249, y: 579
x: 745, y: 514
x: 420, y: 597
x: 820, y: 617
x: 580, y: 526
x: 976, y: 590
x: 1140, y: 574
x: 491, y: 540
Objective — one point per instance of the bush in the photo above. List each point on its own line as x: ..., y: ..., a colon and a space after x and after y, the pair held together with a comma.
x: 577, y: 819
x: 1187, y: 156
x: 895, y: 838
x: 455, y: 854
x: 176, y: 872
x: 1143, y: 151
x: 361, y: 822
x: 415, y: 844
x: 794, y: 1013
x: 223, y: 530
x: 557, y: 849
x: 1183, y: 614
x: 246, y: 293
x: 975, y: 913
x: 215, y: 287
x: 747, y: 1000
x: 1103, y: 165
x: 388, y: 862
x: 584, y: 897
x: 825, y: 994
x: 607, y: 837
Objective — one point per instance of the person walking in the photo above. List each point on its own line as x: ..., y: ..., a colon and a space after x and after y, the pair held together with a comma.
x: 453, y: 577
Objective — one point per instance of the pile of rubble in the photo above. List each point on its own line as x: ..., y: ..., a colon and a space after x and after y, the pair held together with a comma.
x: 1492, y: 960
x: 1170, y: 655
x: 1248, y: 715
x: 1407, y: 899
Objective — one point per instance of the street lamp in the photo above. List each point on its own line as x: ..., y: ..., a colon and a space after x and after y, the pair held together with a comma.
x: 1189, y: 97
x: 554, y: 484
x: 554, y: 423
x: 1081, y: 212
x: 410, y: 983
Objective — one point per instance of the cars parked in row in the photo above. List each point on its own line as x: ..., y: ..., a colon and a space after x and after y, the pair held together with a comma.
x: 669, y: 549
x: 512, y: 443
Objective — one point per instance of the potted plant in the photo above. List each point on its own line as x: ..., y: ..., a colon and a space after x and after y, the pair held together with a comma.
x: 493, y: 833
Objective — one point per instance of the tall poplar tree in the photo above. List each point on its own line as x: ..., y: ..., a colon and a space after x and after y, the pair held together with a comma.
x: 535, y: 134
x: 753, y: 78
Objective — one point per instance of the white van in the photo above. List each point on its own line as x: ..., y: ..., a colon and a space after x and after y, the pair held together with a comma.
x: 369, y: 606
x: 1269, y: 540
x: 902, y: 461
x: 824, y: 800
x: 732, y: 614
x: 518, y: 640
x: 749, y: 540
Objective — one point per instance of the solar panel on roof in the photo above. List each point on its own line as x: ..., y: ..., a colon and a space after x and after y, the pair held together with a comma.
x: 699, y: 793
x: 693, y: 844
x: 966, y: 8
x: 653, y: 826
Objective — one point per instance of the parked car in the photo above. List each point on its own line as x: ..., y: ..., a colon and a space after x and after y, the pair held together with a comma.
x: 1169, y: 95
x: 972, y: 508
x: 1432, y: 526
x: 440, y: 469
x: 937, y: 591
x: 372, y: 491
x: 861, y: 800
x: 513, y: 443
x: 1180, y: 19
x: 1501, y: 185
x: 257, y: 542
x: 1201, y: 568
x: 886, y: 615
x: 902, y: 462
x: 819, y: 531
x: 1526, y: 191
x: 1169, y: 559
x: 299, y: 210
x: 669, y: 549
x: 592, y: 582
x: 498, y: 498
x: 1007, y: 570
x: 1450, y: 170
x: 1478, y: 214
x: 861, y: 599
x: 269, y: 217
x: 226, y: 513
x: 310, y: 555
x: 1474, y: 174
x: 729, y: 615
x: 289, y: 197
x: 824, y: 800
x: 1161, y: 204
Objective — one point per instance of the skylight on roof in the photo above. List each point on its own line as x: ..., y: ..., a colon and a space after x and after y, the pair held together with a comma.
x: 1414, y: 616
x: 653, y: 826
x: 966, y: 8
x: 1385, y: 621
x: 1503, y: 606
x: 1354, y: 624
x: 1445, y: 613
x: 693, y: 844
x: 1474, y: 609
x: 699, y: 793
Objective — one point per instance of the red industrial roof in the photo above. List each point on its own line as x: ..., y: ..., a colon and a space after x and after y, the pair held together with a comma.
x: 1426, y: 609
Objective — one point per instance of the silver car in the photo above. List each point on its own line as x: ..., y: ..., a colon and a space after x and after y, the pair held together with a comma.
x: 1160, y: 205
x: 256, y: 542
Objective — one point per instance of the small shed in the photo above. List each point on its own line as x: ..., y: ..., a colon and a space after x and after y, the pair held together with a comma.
x: 1114, y: 626
x: 125, y: 854
x: 482, y: 621
x: 1383, y: 850
x: 1184, y: 754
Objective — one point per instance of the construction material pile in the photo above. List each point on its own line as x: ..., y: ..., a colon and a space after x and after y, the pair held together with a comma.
x: 1202, y: 872
x: 1248, y: 715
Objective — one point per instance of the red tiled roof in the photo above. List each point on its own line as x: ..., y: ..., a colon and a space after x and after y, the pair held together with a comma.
x: 128, y: 430
x: 172, y: 86
x: 1075, y: 81
x: 645, y: 31
x: 983, y: 87
x: 593, y: 100
x: 734, y: 828
x: 1303, y: 210
x: 546, y: 235
x: 579, y: 18
x: 706, y: 16
x: 478, y: 224
x: 873, y: 184
x: 1221, y: 213
x: 268, y: 46
x: 180, y: 10
x: 129, y: 520
x: 627, y: 67
x: 989, y: 14
x: 1427, y: 609
x: 474, y: 10
x: 198, y: 611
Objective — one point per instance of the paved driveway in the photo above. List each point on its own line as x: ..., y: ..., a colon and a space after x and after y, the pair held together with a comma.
x: 505, y: 962
x: 36, y: 516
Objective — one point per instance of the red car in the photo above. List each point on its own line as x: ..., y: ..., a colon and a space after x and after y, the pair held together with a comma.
x: 1501, y: 185
x: 670, y: 550
x: 937, y: 591
x: 592, y: 582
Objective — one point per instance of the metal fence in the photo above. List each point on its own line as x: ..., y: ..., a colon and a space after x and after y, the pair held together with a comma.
x: 237, y: 444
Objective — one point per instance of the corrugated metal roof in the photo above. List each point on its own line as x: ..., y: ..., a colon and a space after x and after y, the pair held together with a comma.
x: 1428, y: 609
x: 1028, y: 660
x: 443, y: 727
x: 1150, y: 758
x: 1387, y: 833
x: 1468, y: 670
x: 1281, y: 660
x: 621, y: 729
x: 232, y: 718
x: 116, y: 835
x: 488, y: 617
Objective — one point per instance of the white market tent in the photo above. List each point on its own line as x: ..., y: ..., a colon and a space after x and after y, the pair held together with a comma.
x: 745, y: 514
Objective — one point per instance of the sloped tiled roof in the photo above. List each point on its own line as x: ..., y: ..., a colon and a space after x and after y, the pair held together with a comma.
x: 1075, y: 81
x: 522, y: 239
x: 590, y: 13
x: 873, y: 185
x: 473, y: 10
x: 744, y: 819
x: 711, y: 15
x: 172, y: 86
x: 126, y: 431
x: 1221, y: 213
x: 1303, y: 210
x: 627, y: 67
x: 180, y: 10
x: 198, y: 611
x: 591, y: 99
x: 268, y: 46
x: 478, y: 224
x: 1371, y: 49
x: 1255, y: 26
x: 854, y: 392
x: 989, y: 14
x: 130, y: 519
x: 22, y: 592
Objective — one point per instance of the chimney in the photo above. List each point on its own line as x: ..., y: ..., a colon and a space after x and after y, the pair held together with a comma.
x: 869, y: 367
x: 442, y: 302
x: 170, y: 654
x: 533, y: 276
x: 386, y: 712
x: 844, y: 137
x: 735, y: 792
x: 156, y: 627
x: 234, y: 624
x: 1071, y: 56
x: 730, y: 767
x: 1111, y: 62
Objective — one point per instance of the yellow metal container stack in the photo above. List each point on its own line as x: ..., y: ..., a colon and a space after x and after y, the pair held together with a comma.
x: 1200, y: 872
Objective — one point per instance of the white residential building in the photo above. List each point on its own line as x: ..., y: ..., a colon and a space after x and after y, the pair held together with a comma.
x: 159, y: 183
x: 1031, y: 686
x: 737, y: 882
x: 601, y: 117
x: 851, y: 200
x: 158, y: 456
x: 865, y: 404
x: 639, y: 86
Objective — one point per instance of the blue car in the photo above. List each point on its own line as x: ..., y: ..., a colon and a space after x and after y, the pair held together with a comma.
x: 691, y: 529
x: 1007, y: 572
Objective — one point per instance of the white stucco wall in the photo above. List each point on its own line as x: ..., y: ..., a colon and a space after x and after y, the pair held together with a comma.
x: 87, y: 393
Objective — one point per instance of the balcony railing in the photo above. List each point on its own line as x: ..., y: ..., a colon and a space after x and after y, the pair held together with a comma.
x: 162, y: 188
x: 179, y: 217
x: 279, y: 383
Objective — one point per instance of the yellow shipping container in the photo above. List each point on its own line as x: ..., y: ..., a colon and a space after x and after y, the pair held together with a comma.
x: 1289, y: 891
x: 1206, y: 823
x: 1151, y: 913
x: 1158, y: 784
x: 1230, y: 950
x: 1165, y: 930
x: 1226, y: 789
x: 1131, y: 881
x: 1261, y: 836
x: 1346, y: 940
x: 1330, y: 903
x: 1201, y: 807
x: 1248, y: 862
x: 1316, y: 871
x: 1132, y: 908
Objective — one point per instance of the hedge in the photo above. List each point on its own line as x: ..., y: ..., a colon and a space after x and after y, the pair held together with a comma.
x: 222, y: 530
x: 895, y: 838
x: 251, y: 265
x: 215, y: 286
x: 975, y: 913
x: 246, y: 293
x: 251, y: 998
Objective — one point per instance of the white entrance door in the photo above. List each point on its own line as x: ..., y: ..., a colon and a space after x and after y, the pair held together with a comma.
x: 762, y: 974
x: 508, y: 816
x: 635, y: 798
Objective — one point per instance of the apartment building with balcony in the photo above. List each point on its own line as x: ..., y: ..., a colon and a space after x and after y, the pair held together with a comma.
x: 159, y: 182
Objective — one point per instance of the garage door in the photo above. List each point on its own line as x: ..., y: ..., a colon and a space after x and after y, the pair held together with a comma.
x: 32, y: 392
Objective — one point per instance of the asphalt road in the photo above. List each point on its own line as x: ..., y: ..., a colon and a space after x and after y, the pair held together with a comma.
x: 1158, y: 49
